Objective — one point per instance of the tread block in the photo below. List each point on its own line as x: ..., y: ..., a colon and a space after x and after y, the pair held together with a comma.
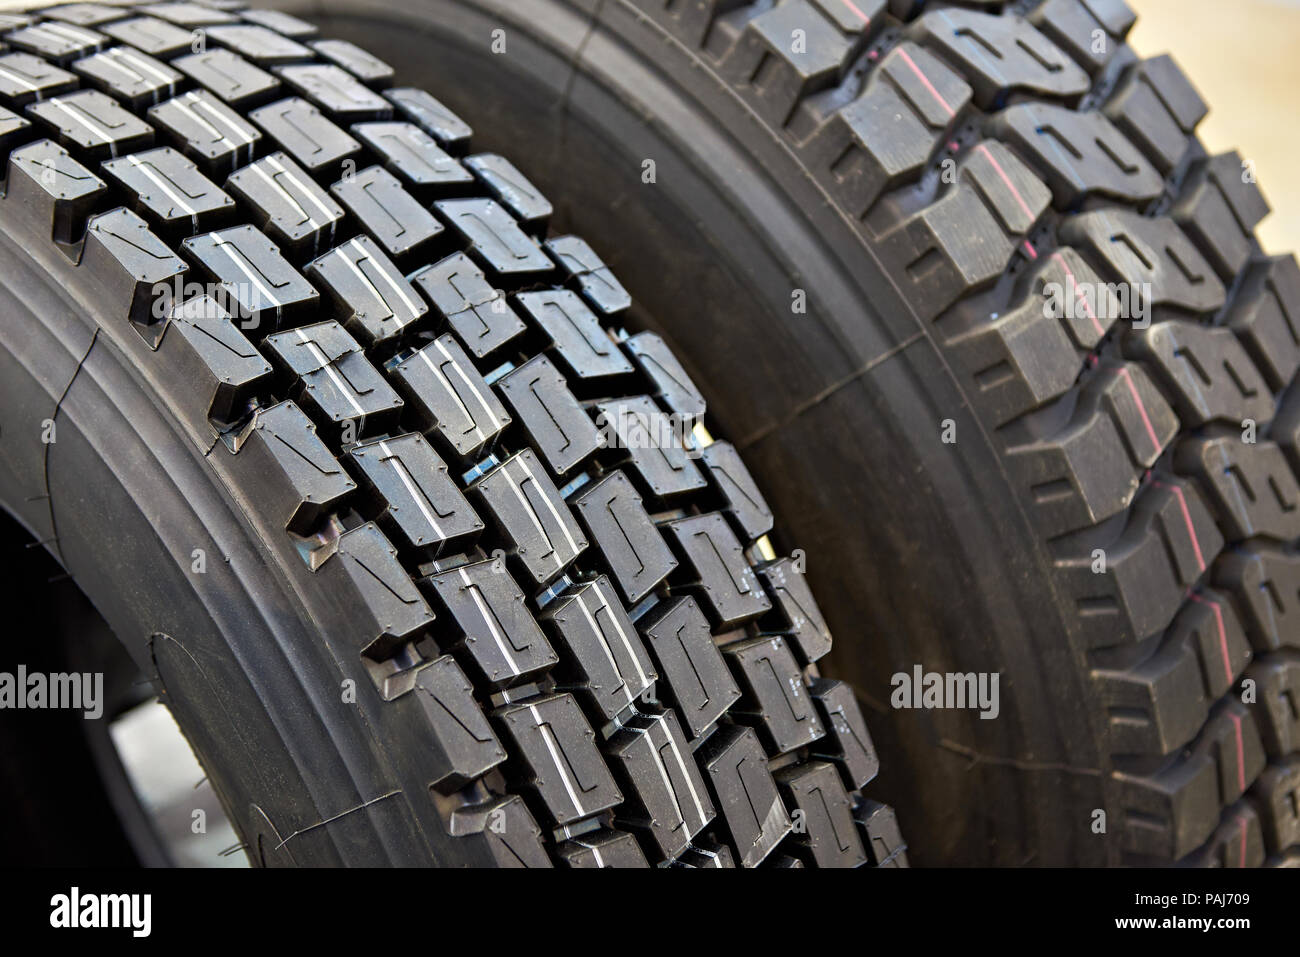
x: 135, y: 78
x: 364, y: 66
x: 825, y: 831
x: 388, y: 212
x: 207, y: 131
x: 460, y: 745
x: 208, y: 350
x: 775, y: 697
x: 93, y: 122
x: 420, y: 500
x: 82, y: 14
x: 448, y: 395
x: 229, y: 77
x: 1160, y: 704
x: 287, y: 203
x: 775, y: 71
x: 13, y: 130
x: 54, y: 192
x: 582, y: 268
x: 1278, y: 681
x: 1031, y: 354
x: 1207, y: 373
x: 27, y: 79
x: 337, y: 92
x: 280, y: 22
x: 1277, y: 795
x: 691, y: 22
x: 1083, y: 154
x: 188, y: 14
x: 258, y: 44
x: 413, y: 155
x: 1266, y: 317
x: 369, y: 290
x: 557, y: 752
x: 1171, y: 813
x: 1168, y: 543
x: 333, y: 374
x: 258, y: 284
x: 560, y: 430
x: 478, y: 313
x: 666, y: 797
x: 300, y: 477
x: 1254, y: 490
x: 1267, y: 582
x: 505, y: 829
x: 494, y: 238
x: 1238, y: 841
x: 306, y: 134
x: 1073, y: 24
x: 136, y: 270
x: 847, y: 742
x: 370, y: 587
x: 529, y: 513
x: 891, y: 130
x: 751, y: 809
x: 607, y: 664
x: 729, y: 478
x: 451, y: 132
x: 1001, y: 55
x: 673, y: 386
x: 1157, y: 109
x: 1121, y: 418
x: 170, y: 190
x: 878, y: 825
x: 582, y: 345
x: 638, y: 428
x: 726, y: 583
x: 693, y: 676
x: 496, y: 628
x: 511, y: 189
x: 602, y: 848
x: 1219, y: 211
x: 151, y: 35
x: 795, y: 613
x: 635, y: 552
x: 964, y: 241
x: 705, y: 855
x: 60, y: 43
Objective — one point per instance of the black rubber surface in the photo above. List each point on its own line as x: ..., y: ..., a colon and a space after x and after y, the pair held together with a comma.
x: 521, y: 641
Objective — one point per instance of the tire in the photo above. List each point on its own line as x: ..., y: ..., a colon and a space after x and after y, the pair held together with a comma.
x: 1114, y: 529
x: 305, y: 399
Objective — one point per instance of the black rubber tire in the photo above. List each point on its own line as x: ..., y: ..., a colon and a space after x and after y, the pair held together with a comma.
x: 904, y: 165
x: 397, y: 628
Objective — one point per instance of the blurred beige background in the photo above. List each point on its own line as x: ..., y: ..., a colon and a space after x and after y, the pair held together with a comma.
x: 1244, y: 57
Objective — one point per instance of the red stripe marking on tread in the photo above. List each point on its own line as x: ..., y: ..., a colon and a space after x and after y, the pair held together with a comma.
x: 854, y: 7
x: 1223, y: 634
x: 1187, y: 517
x: 1010, y: 185
x: 926, y: 80
x: 1079, y: 294
x: 1142, y: 410
x: 1029, y: 248
x: 1241, y: 755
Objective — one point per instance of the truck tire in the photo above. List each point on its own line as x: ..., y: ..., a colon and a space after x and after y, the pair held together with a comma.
x: 363, y: 467
x: 925, y: 213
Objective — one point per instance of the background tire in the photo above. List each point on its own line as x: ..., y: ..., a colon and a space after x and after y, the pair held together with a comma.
x: 1103, y: 533
x: 404, y: 602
